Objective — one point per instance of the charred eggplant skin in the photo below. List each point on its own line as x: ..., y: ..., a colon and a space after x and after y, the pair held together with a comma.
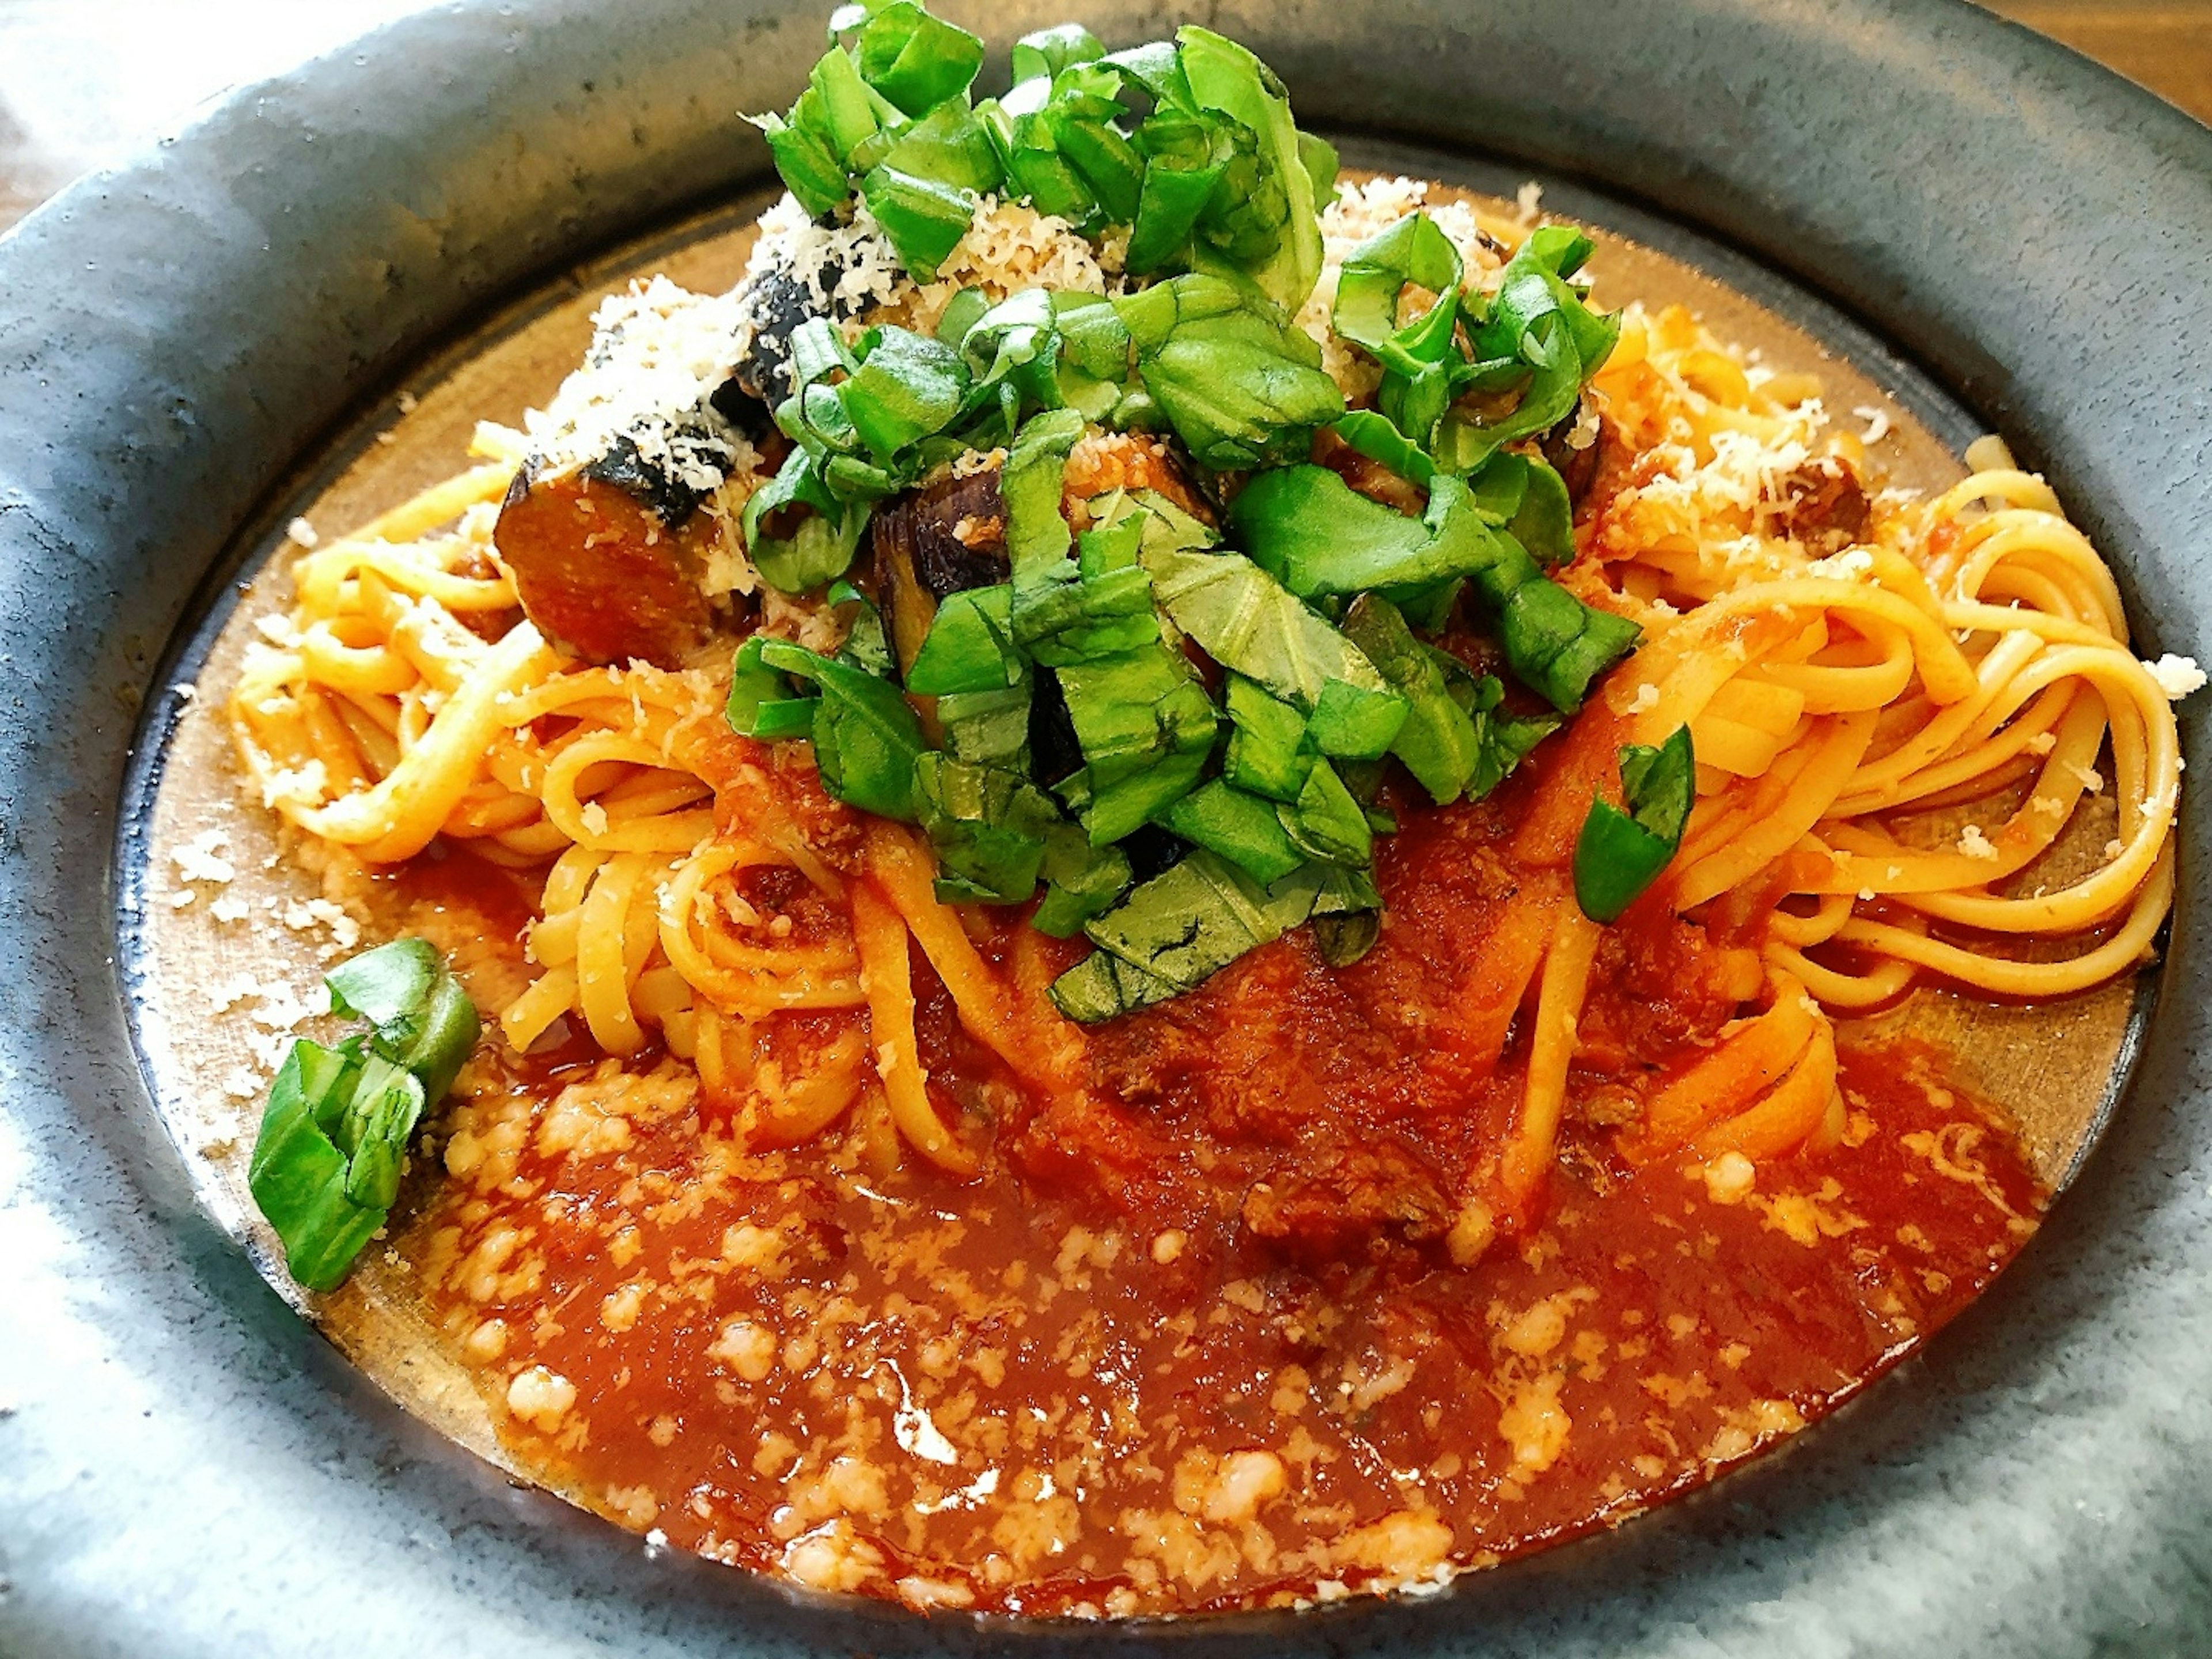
x: 954, y: 533
x: 919, y: 556
x: 777, y: 300
x: 597, y: 571
x: 656, y: 488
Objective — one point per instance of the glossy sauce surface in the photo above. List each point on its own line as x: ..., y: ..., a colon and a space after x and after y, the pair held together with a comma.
x: 1205, y: 1341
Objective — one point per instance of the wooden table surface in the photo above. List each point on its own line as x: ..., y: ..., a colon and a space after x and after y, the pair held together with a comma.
x: 84, y: 82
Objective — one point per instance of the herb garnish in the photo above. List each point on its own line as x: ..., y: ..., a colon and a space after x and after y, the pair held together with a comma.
x: 326, y: 1165
x: 1312, y: 600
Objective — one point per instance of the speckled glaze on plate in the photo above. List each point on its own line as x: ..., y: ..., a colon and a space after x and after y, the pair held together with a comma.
x: 185, y: 1468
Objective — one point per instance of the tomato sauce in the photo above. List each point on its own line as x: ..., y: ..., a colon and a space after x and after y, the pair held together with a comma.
x: 1216, y: 1334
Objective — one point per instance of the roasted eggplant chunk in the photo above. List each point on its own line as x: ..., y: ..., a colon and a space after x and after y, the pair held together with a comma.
x: 775, y: 300
x: 600, y: 572
x: 949, y: 532
x: 605, y: 529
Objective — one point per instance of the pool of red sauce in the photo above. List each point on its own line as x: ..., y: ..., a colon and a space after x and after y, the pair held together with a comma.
x: 1309, y: 1133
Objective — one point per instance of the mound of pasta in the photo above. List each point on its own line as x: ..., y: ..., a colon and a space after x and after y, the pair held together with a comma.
x: 1175, y: 866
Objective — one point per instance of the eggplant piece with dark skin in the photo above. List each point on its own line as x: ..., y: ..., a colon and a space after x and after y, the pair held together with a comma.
x: 599, y: 571
x: 610, y: 527
x: 778, y: 300
x: 939, y: 538
x: 949, y: 534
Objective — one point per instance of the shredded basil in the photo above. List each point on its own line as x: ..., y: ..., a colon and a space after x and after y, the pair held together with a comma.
x: 1245, y: 620
x: 1320, y: 612
x: 326, y: 1163
x: 1620, y: 854
x: 867, y: 739
x: 1212, y: 174
x: 1310, y: 528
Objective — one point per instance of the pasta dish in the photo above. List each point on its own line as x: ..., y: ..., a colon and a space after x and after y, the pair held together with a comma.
x: 1152, y: 883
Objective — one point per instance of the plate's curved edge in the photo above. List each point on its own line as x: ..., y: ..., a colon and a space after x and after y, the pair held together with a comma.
x: 65, y: 780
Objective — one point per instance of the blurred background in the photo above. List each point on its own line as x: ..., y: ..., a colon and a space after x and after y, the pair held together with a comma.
x: 84, y: 82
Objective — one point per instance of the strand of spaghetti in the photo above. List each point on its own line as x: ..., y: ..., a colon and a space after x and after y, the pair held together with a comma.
x: 1689, y: 662
x: 1970, y: 614
x: 1969, y: 771
x: 1824, y: 764
x: 1883, y: 983
x: 756, y: 979
x: 603, y: 955
x: 1493, y: 991
x: 1847, y: 687
x: 334, y: 751
x: 441, y: 504
x: 2044, y: 542
x: 2002, y: 484
x: 1880, y: 778
x: 1870, y: 857
x: 1047, y: 1053
x: 530, y: 1015
x: 1830, y: 911
x: 2102, y: 893
x: 824, y: 1091
x: 1559, y: 1001
x: 1790, y: 1113
x: 1944, y: 671
x: 886, y: 978
x: 399, y: 817
x: 1748, y: 1058
x: 328, y: 581
x: 371, y: 669
x: 562, y: 794
x: 2126, y: 949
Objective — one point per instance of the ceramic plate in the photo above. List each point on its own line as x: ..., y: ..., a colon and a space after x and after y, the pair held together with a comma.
x: 1993, y: 232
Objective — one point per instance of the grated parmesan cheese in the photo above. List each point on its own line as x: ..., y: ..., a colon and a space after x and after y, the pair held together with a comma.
x: 1849, y: 565
x: 304, y: 915
x: 1976, y: 845
x: 657, y: 353
x: 2176, y: 676
x: 1362, y: 209
x: 198, y: 858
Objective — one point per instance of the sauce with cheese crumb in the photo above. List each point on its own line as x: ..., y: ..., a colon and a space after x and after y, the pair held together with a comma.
x: 1221, y: 1343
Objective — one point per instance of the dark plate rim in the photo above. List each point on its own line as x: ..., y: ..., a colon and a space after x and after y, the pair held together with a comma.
x: 175, y: 332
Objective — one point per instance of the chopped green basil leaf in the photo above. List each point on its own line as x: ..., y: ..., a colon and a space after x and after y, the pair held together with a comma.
x: 1242, y: 827
x: 1267, y: 753
x: 326, y: 1163
x: 867, y: 739
x: 1246, y: 620
x: 1325, y: 823
x: 1081, y: 880
x: 1620, y: 854
x: 969, y: 646
x: 987, y: 825
x: 761, y: 703
x: 915, y: 60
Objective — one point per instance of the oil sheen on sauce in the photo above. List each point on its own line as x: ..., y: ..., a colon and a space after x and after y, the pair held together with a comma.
x: 1210, y: 1348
